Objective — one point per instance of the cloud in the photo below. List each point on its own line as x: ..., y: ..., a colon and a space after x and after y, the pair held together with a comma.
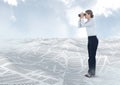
x: 12, y: 2
x: 100, y: 7
x: 80, y: 3
x: 105, y: 7
x: 41, y: 18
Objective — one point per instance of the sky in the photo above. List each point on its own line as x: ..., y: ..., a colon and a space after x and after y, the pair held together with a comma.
x: 56, y: 18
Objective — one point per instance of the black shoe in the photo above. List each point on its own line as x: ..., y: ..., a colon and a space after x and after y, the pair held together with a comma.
x: 89, y: 75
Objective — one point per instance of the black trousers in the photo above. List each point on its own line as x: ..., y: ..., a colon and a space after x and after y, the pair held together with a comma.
x: 92, y: 48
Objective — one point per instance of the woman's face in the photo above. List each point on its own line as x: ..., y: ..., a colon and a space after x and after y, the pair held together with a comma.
x: 87, y: 16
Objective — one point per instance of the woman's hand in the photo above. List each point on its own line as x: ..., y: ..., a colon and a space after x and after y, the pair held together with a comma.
x: 81, y: 15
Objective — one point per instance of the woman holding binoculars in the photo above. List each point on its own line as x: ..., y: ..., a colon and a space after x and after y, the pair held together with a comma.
x: 92, y: 40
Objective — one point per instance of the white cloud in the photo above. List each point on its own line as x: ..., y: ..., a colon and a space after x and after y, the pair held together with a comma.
x: 100, y: 7
x: 72, y: 15
x: 12, y: 2
x: 106, y: 7
x: 66, y: 1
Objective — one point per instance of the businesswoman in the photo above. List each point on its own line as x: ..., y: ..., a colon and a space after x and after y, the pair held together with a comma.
x: 92, y: 40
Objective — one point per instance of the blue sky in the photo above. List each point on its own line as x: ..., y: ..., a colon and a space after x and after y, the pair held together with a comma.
x: 56, y: 18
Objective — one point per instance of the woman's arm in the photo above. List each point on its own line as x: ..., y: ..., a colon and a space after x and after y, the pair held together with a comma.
x: 82, y: 23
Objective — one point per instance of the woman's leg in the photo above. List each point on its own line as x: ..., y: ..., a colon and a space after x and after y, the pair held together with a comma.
x: 92, y: 48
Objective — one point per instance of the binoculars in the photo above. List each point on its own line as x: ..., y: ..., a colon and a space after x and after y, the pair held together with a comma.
x: 79, y: 15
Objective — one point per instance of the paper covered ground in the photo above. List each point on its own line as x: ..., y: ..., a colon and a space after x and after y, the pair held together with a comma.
x: 57, y: 62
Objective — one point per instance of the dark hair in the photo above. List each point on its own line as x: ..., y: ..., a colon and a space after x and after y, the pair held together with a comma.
x: 90, y: 13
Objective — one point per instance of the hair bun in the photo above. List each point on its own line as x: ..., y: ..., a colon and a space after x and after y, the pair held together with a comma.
x: 92, y: 16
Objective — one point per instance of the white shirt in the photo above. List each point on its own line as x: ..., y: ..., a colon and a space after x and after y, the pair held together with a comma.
x: 90, y: 26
